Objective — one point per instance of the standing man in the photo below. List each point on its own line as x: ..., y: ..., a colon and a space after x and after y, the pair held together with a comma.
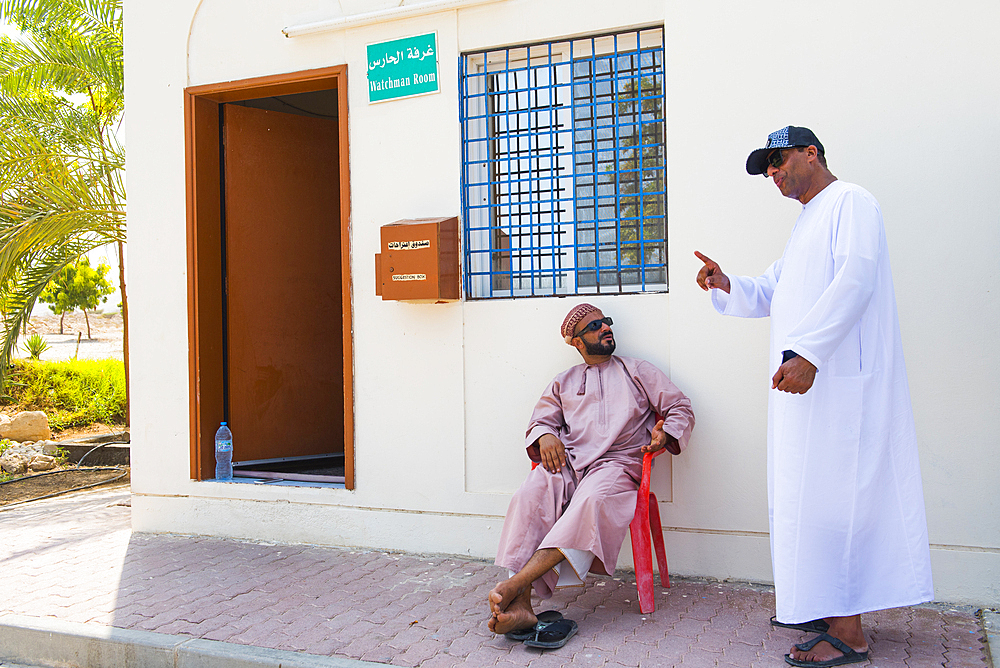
x: 588, y: 431
x: 848, y: 531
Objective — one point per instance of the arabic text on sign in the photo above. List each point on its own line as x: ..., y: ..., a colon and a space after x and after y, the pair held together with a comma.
x: 412, y: 53
x: 408, y: 245
x: 409, y: 277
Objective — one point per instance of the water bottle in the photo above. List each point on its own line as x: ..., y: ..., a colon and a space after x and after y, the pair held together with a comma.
x: 223, y: 453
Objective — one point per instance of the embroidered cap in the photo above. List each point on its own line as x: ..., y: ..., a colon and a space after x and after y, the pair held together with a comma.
x: 787, y: 137
x: 573, y: 318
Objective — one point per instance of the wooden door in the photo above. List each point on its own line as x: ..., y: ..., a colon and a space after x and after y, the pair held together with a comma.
x: 283, y: 284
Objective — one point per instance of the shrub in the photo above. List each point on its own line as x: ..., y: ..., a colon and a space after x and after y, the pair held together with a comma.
x: 4, y: 444
x: 73, y: 393
x: 35, y: 345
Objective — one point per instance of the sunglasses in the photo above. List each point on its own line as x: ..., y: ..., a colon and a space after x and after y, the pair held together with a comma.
x: 776, y: 159
x: 595, y: 325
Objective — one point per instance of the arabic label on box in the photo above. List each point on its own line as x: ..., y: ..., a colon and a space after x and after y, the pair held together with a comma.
x: 408, y: 245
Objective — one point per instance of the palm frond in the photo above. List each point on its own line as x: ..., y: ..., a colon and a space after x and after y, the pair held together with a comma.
x: 22, y: 293
x: 98, y: 17
x: 51, y: 119
x: 62, y: 189
x: 69, y: 45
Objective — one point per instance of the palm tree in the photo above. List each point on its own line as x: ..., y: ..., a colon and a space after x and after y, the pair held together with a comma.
x: 62, y: 166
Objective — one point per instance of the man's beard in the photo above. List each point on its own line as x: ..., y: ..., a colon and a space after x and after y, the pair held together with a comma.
x: 600, y: 347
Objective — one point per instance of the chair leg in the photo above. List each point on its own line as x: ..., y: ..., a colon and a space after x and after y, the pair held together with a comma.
x: 642, y: 557
x: 657, y: 531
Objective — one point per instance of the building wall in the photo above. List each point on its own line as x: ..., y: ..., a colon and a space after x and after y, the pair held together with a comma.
x: 904, y: 101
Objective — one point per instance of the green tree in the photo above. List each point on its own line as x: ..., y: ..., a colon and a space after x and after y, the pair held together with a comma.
x: 77, y: 286
x: 62, y: 166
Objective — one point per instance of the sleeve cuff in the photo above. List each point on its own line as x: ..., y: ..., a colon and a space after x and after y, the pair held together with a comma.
x: 805, y: 354
x: 536, y: 433
x: 720, y: 300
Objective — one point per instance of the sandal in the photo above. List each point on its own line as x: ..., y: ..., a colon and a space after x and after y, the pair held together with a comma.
x: 850, y: 655
x: 815, y: 626
x: 528, y: 632
x: 554, y: 635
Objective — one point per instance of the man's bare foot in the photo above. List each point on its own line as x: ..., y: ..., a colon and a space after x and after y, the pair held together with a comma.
x: 510, y: 608
x: 510, y: 601
x: 822, y: 651
x: 503, y: 595
x: 512, y: 620
x: 846, y: 629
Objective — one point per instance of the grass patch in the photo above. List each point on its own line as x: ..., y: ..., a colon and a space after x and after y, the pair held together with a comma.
x: 73, y: 393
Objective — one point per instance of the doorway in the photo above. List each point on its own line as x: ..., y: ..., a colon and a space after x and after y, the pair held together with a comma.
x: 269, y: 276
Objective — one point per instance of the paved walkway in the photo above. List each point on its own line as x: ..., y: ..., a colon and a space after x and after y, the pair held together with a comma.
x: 75, y: 559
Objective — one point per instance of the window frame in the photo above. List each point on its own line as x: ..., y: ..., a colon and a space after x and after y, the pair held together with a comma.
x: 493, y: 113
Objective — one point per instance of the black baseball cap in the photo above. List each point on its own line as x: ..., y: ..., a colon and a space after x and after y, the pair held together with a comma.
x: 787, y: 137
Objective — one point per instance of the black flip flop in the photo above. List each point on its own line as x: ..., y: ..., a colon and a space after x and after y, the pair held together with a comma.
x: 554, y: 635
x: 815, y: 626
x: 850, y: 655
x: 528, y: 632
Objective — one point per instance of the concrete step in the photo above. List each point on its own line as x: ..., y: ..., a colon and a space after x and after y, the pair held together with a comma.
x: 52, y: 642
x: 98, y: 450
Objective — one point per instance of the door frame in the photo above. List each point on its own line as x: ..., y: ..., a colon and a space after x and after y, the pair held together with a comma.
x: 205, y: 202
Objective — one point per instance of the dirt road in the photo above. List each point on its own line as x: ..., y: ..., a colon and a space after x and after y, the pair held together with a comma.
x: 105, y: 330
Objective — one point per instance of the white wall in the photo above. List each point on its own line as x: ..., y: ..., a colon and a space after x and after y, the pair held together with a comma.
x: 891, y: 90
x: 902, y: 101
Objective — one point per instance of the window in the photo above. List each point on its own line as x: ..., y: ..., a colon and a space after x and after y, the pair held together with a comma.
x: 564, y: 168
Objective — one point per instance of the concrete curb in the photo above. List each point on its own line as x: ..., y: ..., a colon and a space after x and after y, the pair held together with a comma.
x: 991, y: 622
x: 52, y: 642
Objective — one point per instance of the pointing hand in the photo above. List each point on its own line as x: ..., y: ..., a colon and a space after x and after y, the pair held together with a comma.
x: 711, y: 276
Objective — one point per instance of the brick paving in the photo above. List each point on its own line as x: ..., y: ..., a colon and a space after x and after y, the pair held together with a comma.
x: 76, y: 559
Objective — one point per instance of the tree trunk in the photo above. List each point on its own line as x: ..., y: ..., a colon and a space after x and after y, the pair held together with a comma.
x: 61, y: 316
x: 88, y: 324
x: 121, y: 288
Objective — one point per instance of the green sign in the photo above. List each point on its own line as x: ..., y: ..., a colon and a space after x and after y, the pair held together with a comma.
x: 402, y: 68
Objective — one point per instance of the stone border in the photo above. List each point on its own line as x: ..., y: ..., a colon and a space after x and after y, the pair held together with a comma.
x: 51, y: 642
x: 991, y: 623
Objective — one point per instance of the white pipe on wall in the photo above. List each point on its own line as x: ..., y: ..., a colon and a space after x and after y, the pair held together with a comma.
x: 356, y: 20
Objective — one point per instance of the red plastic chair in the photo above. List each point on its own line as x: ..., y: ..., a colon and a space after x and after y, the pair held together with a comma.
x: 647, y: 516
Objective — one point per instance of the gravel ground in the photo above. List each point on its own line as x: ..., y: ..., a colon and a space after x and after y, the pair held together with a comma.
x: 105, y: 331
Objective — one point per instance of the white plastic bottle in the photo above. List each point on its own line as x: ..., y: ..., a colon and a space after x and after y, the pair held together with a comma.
x: 223, y: 453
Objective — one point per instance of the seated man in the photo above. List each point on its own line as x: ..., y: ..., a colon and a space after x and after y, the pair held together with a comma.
x: 589, y: 432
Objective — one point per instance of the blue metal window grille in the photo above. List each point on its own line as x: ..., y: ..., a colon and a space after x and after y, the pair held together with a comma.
x: 564, y: 167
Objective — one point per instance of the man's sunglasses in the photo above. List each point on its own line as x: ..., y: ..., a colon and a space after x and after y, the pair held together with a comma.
x: 777, y: 158
x: 595, y: 325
